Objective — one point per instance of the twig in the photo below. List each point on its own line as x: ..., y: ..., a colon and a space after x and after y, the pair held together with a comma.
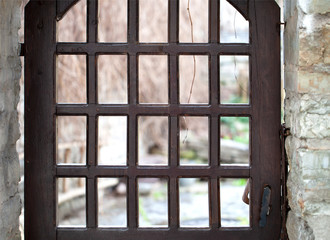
x: 194, y: 70
x: 194, y: 57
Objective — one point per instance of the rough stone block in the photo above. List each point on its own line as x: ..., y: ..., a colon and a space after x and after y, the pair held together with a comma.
x: 312, y: 126
x: 311, y: 48
x: 314, y: 40
x: 315, y: 160
x: 309, y: 183
x: 317, y: 144
x: 314, y: 103
x: 313, y: 82
x: 316, y: 208
x: 320, y: 226
x: 10, y: 211
x: 298, y: 228
x: 314, y: 6
x: 10, y: 70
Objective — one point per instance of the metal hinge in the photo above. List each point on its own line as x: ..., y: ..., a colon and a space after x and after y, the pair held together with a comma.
x: 284, y: 132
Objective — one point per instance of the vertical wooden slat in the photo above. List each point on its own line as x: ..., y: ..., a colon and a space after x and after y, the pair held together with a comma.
x: 173, y: 37
x: 91, y: 160
x: 92, y: 25
x: 132, y: 79
x: 91, y: 211
x: 133, y: 6
x: 132, y: 206
x: 266, y: 119
x: 132, y: 147
x: 173, y: 21
x: 173, y: 204
x: 173, y: 79
x: 214, y: 21
x: 174, y: 162
x: 92, y: 16
x: 255, y: 194
x: 214, y: 88
x: 214, y: 203
x: 133, y: 19
x: 92, y: 20
x: 174, y: 141
x: 91, y: 80
x: 214, y: 134
x: 39, y: 181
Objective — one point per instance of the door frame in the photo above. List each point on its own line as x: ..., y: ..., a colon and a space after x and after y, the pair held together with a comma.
x: 41, y: 111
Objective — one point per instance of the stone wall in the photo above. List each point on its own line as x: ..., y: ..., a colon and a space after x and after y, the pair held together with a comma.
x: 307, y: 113
x: 10, y: 70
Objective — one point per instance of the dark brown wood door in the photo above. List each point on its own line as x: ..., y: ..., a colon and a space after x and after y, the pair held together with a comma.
x: 261, y: 111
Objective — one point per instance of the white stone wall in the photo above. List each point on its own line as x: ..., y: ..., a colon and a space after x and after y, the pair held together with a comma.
x: 10, y: 70
x: 307, y: 113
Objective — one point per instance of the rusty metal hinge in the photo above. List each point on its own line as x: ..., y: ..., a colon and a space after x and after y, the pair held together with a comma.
x: 284, y: 132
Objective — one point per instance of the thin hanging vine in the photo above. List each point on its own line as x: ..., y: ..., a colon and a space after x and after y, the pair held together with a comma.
x: 194, y: 69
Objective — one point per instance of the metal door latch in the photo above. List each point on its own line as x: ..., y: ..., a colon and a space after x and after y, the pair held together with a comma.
x: 265, y: 207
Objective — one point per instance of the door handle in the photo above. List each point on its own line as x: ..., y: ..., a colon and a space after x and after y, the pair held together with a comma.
x: 265, y: 206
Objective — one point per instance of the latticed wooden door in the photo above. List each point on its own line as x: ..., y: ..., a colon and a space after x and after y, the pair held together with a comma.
x: 44, y: 112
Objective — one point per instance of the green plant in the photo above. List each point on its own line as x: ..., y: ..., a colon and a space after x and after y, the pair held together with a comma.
x: 158, y: 195
x: 243, y: 221
x: 142, y: 211
x: 188, y: 154
x: 236, y: 128
x: 239, y: 182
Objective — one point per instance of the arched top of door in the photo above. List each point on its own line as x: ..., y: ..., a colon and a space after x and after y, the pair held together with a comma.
x: 63, y: 6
